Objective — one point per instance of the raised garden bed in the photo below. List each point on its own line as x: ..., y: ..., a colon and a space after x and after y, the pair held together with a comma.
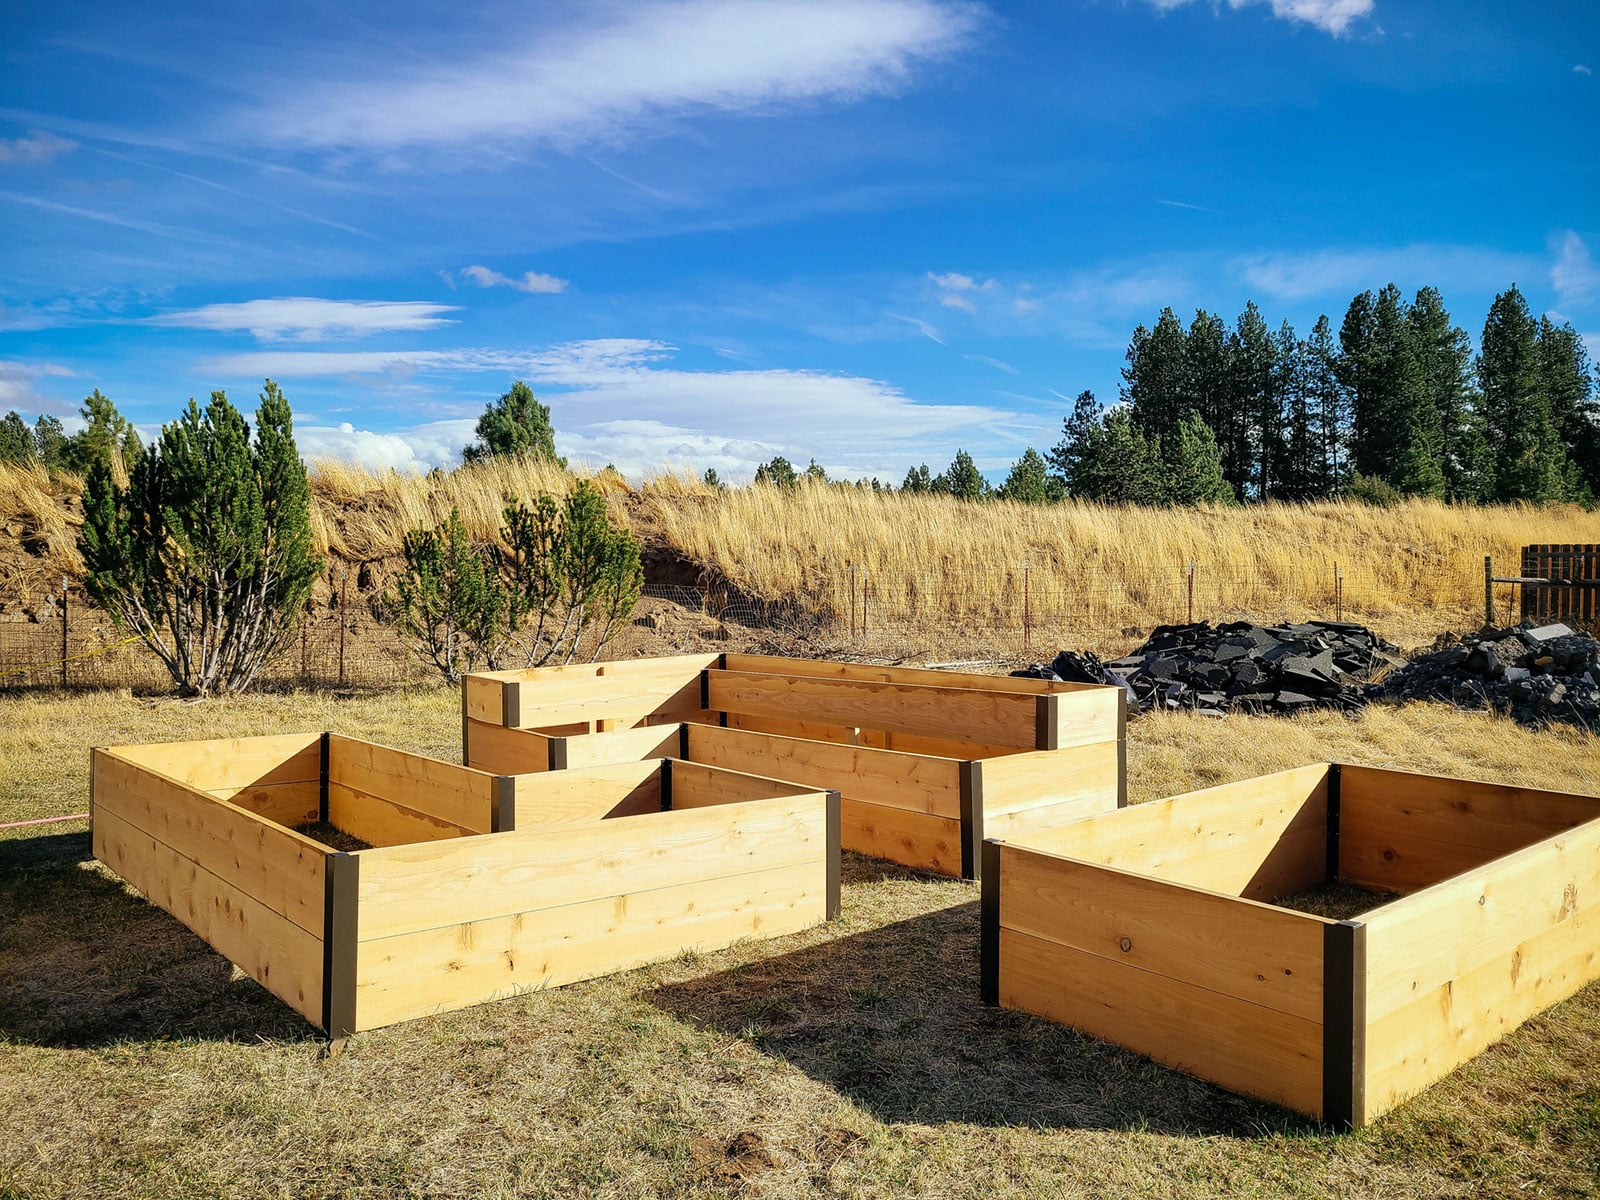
x: 928, y: 762
x: 1155, y: 928
x: 473, y: 885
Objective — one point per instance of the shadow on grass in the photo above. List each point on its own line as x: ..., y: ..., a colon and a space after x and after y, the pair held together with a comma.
x: 84, y: 962
x: 891, y: 1019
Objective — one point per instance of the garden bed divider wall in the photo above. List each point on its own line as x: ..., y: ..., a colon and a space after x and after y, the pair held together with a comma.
x: 1154, y: 928
x: 928, y: 762
x: 474, y: 885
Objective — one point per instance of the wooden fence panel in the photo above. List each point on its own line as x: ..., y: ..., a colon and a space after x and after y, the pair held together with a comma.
x: 1575, y: 599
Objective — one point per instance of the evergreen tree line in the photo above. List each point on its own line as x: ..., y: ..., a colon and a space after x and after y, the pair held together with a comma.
x: 1395, y: 405
x: 46, y: 443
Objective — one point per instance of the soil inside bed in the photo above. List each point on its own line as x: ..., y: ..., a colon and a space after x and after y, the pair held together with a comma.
x: 1336, y: 901
x: 332, y: 836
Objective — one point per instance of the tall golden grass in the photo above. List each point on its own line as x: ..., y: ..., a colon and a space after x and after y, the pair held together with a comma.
x: 1086, y: 568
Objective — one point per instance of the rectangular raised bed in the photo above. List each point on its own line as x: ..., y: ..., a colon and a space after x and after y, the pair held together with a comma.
x: 1155, y: 928
x: 475, y: 885
x: 928, y: 762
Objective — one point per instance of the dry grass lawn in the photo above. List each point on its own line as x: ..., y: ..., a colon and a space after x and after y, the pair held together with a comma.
x: 852, y: 1060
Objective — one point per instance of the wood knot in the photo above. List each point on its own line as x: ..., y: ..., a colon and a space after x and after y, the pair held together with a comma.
x: 1126, y: 944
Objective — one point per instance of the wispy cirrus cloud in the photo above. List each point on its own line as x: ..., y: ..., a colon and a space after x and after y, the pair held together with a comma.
x: 20, y: 390
x: 37, y: 147
x: 626, y: 66
x: 1330, y: 16
x: 1304, y: 275
x: 1574, y: 274
x: 309, y: 318
x: 533, y: 282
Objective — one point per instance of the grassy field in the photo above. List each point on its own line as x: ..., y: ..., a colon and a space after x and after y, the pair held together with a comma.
x: 851, y: 1060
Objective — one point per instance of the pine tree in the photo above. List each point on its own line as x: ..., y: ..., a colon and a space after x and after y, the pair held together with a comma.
x: 1029, y: 481
x: 16, y: 441
x: 1564, y: 376
x: 1253, y: 431
x: 814, y: 473
x: 712, y: 480
x: 778, y: 473
x: 1194, y: 466
x: 515, y: 425
x: 1329, y: 402
x: 50, y: 442
x: 1443, y: 357
x: 206, y: 556
x: 1207, y: 385
x: 917, y: 480
x: 1117, y: 463
x: 1358, y: 373
x: 1300, y: 472
x: 963, y: 480
x: 1154, y: 380
x: 1529, y: 459
x: 107, y: 437
x: 1064, y: 455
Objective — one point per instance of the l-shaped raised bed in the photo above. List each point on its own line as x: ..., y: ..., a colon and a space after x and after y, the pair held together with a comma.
x: 928, y: 762
x: 471, y: 886
x: 1155, y: 928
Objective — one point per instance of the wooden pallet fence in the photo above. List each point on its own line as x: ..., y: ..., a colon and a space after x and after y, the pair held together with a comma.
x: 474, y: 885
x: 1573, y: 593
x: 1155, y: 928
x: 928, y: 763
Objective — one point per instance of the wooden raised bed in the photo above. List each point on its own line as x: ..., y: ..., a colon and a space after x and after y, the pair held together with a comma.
x: 928, y: 762
x: 1154, y: 928
x: 476, y: 886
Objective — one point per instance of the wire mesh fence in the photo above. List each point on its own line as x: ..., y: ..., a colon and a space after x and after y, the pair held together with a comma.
x: 1018, y: 612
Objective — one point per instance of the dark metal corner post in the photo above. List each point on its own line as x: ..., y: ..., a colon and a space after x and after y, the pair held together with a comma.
x: 666, y: 785
x: 466, y: 727
x: 511, y: 703
x: 1344, y: 1025
x: 1122, y: 747
x: 1332, y: 869
x: 503, y: 817
x: 326, y: 754
x: 1047, y: 722
x: 835, y: 855
x: 971, y: 778
x: 94, y: 752
x: 341, y: 886
x: 989, y: 924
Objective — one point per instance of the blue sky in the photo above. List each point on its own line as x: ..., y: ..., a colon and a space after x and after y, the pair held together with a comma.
x: 709, y: 231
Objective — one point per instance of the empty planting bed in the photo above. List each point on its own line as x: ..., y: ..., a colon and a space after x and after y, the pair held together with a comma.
x: 473, y: 885
x: 928, y: 762
x: 1155, y: 928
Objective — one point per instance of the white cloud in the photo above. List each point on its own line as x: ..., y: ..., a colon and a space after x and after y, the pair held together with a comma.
x: 533, y: 281
x: 1298, y: 276
x: 419, y: 448
x: 620, y: 400
x: 993, y: 362
x: 954, y: 281
x: 927, y: 330
x: 36, y: 148
x: 1331, y: 16
x: 19, y: 388
x: 309, y: 319
x: 630, y: 65
x: 1582, y: 69
x: 955, y: 300
x: 1574, y: 274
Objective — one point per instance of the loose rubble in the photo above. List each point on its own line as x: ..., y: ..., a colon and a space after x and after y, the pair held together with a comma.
x: 1535, y: 674
x: 1238, y: 667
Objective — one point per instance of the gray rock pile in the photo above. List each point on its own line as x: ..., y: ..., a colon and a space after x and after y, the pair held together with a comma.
x: 1535, y: 674
x: 1238, y: 667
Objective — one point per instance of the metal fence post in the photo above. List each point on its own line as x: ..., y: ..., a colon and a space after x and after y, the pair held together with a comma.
x: 1027, y: 614
x: 1191, y: 591
x: 344, y: 592
x: 63, y: 631
x: 1488, y: 589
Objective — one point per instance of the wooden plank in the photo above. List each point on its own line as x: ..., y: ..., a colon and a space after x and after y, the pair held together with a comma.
x: 1255, y: 952
x: 382, y: 822
x: 484, y: 699
x: 1403, y: 831
x: 590, y: 794
x: 1242, y: 1046
x: 502, y: 750
x: 1085, y: 776
x: 287, y: 804
x: 1259, y: 838
x: 434, y: 970
x: 815, y: 731
x: 223, y: 764
x: 763, y: 664
x: 1086, y: 717
x: 695, y: 785
x: 996, y: 717
x: 627, y: 692
x: 405, y: 888
x: 912, y: 782
x: 645, y: 743
x: 451, y: 794
x: 274, y: 951
x: 961, y: 748
x: 276, y: 866
x: 912, y: 839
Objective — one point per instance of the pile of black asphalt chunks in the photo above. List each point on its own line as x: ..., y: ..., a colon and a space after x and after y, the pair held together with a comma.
x: 1536, y: 674
x: 1237, y: 667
